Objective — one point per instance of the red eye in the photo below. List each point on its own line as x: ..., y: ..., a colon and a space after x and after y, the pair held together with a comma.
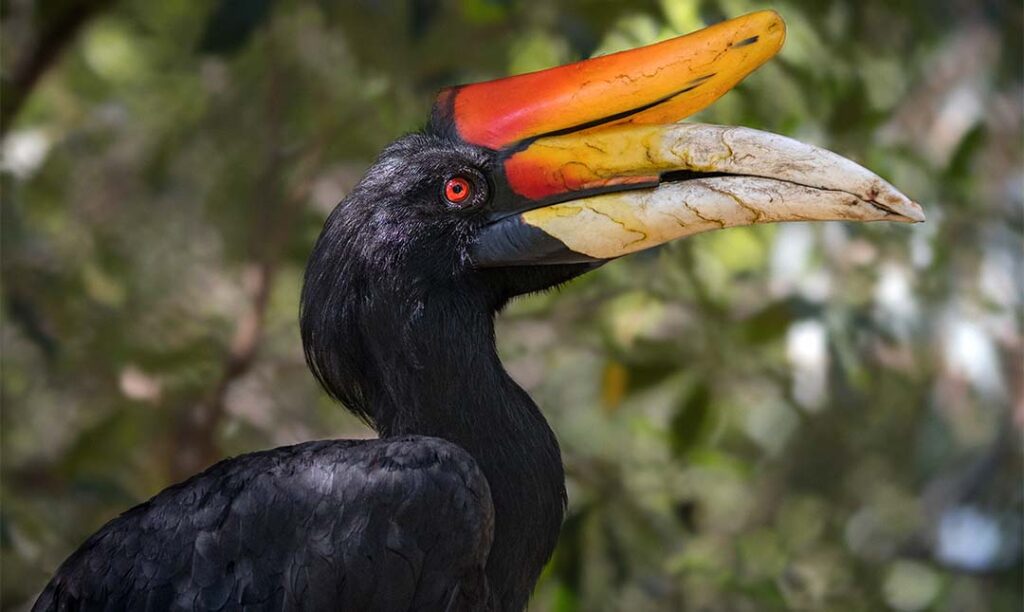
x: 457, y: 190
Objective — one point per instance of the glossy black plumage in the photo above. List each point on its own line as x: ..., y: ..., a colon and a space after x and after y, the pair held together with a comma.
x: 395, y: 524
x: 398, y: 325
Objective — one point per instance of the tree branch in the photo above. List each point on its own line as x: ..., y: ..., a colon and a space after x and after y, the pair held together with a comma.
x: 58, y: 30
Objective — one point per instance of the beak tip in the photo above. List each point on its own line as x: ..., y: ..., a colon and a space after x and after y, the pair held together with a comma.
x: 897, y: 204
x: 912, y: 211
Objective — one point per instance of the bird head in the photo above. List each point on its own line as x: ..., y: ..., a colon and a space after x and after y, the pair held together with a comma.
x: 521, y: 183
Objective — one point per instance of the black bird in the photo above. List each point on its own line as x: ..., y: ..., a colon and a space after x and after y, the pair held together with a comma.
x: 515, y: 186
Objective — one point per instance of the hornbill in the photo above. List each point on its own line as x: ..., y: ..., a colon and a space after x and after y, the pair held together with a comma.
x: 515, y: 186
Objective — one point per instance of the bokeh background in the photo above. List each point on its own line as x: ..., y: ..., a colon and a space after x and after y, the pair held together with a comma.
x: 805, y: 417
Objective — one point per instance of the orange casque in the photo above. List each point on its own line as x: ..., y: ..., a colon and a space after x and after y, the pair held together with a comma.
x: 660, y: 83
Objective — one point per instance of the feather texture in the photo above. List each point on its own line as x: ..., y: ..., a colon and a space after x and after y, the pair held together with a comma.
x: 399, y: 524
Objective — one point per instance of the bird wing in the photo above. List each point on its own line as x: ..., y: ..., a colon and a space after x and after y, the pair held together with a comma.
x: 398, y: 524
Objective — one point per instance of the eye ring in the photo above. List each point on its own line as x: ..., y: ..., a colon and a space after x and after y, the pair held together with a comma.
x: 457, y: 190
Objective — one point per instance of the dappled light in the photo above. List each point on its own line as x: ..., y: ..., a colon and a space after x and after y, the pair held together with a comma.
x: 769, y: 417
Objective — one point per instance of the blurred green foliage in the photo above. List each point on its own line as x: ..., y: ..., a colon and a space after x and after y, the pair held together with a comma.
x: 790, y: 417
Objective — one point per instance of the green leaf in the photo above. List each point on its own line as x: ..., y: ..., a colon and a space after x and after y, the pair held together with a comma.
x: 690, y: 423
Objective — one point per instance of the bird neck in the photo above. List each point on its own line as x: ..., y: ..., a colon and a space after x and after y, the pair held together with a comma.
x: 440, y: 375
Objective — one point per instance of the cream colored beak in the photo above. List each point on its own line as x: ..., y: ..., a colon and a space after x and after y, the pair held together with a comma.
x: 706, y: 177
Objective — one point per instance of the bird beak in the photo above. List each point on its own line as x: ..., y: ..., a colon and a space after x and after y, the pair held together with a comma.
x: 590, y: 166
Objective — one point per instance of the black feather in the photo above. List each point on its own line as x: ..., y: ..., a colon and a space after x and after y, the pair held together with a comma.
x: 413, y: 511
x: 457, y: 507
